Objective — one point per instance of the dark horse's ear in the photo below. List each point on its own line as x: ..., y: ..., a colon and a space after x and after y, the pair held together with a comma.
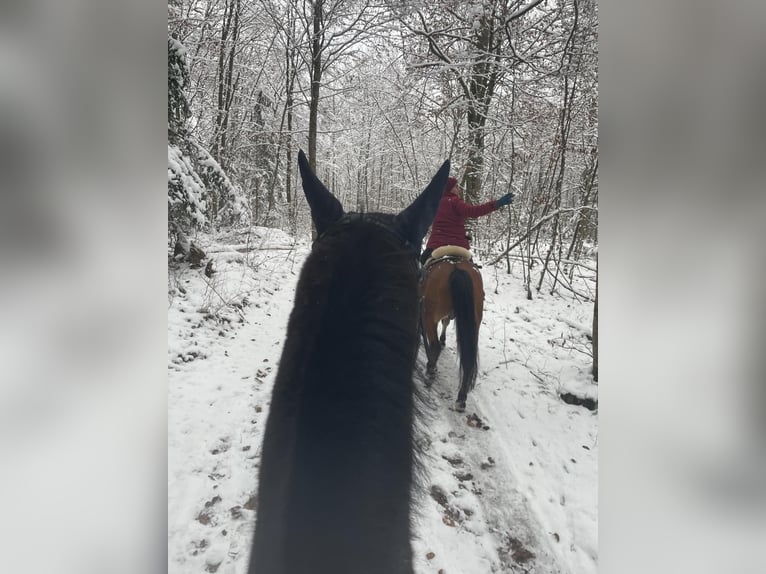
x: 325, y: 208
x: 414, y: 221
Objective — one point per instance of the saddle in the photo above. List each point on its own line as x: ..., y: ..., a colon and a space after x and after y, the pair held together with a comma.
x: 451, y: 251
x: 448, y: 252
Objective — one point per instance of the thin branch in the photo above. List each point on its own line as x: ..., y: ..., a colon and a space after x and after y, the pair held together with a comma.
x: 541, y: 222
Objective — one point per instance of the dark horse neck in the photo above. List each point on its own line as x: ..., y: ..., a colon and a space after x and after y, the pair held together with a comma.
x: 337, y: 459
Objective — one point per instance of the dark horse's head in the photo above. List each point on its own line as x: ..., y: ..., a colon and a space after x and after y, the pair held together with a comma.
x: 337, y: 461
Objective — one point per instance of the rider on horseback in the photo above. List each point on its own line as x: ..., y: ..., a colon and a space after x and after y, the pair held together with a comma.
x: 449, y: 224
x: 453, y: 288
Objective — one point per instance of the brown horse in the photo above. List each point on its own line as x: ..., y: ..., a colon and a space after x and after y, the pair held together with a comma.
x: 452, y: 288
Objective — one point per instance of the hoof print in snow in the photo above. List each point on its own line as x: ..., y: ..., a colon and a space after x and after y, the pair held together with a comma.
x: 204, y: 518
x: 464, y: 476
x: 489, y: 464
x: 222, y: 447
x: 571, y: 399
x: 188, y: 357
x: 439, y: 495
x: 430, y: 555
x: 451, y: 516
x: 516, y: 550
x: 453, y: 460
x: 474, y: 421
x: 212, y: 566
x: 199, y: 546
x: 522, y: 556
x: 236, y: 512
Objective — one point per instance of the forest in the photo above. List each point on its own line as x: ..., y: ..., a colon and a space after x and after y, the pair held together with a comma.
x: 379, y: 93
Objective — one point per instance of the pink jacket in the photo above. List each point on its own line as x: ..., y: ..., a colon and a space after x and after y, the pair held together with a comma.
x: 448, y: 227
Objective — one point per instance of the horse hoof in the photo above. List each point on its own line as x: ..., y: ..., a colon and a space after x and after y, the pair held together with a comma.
x: 430, y: 371
x: 460, y: 406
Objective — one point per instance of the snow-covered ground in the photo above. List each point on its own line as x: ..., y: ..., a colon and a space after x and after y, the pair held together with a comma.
x: 512, y: 483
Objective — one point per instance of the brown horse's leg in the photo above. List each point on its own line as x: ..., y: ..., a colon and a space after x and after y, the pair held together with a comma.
x: 478, y: 301
x: 443, y: 336
x: 436, y: 301
x: 433, y: 348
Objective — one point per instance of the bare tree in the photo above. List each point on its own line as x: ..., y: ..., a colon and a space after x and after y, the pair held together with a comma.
x: 382, y: 90
x: 334, y: 28
x: 226, y: 80
x: 474, y: 45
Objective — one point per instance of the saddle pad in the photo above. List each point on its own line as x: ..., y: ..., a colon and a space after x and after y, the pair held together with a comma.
x: 451, y: 250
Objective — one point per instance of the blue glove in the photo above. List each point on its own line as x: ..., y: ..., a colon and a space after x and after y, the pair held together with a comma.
x: 505, y: 200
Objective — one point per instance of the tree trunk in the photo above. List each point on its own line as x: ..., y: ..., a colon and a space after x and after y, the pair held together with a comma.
x: 513, y: 173
x: 595, y: 330
x: 316, y: 78
x: 565, y: 122
x: 226, y: 81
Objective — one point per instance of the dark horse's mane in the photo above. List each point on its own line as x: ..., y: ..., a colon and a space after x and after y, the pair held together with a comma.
x: 338, y: 457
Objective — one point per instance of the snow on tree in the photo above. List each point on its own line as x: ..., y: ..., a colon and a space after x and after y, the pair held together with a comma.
x: 186, y: 191
x: 178, y: 79
x: 229, y: 202
x: 199, y: 191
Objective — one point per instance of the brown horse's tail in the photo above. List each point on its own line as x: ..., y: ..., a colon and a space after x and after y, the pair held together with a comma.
x: 461, y: 288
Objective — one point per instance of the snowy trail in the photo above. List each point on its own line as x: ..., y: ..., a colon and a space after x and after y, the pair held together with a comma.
x: 488, y: 525
x: 219, y: 407
x: 520, y: 496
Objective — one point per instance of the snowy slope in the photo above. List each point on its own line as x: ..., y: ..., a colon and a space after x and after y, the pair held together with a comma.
x: 512, y: 482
